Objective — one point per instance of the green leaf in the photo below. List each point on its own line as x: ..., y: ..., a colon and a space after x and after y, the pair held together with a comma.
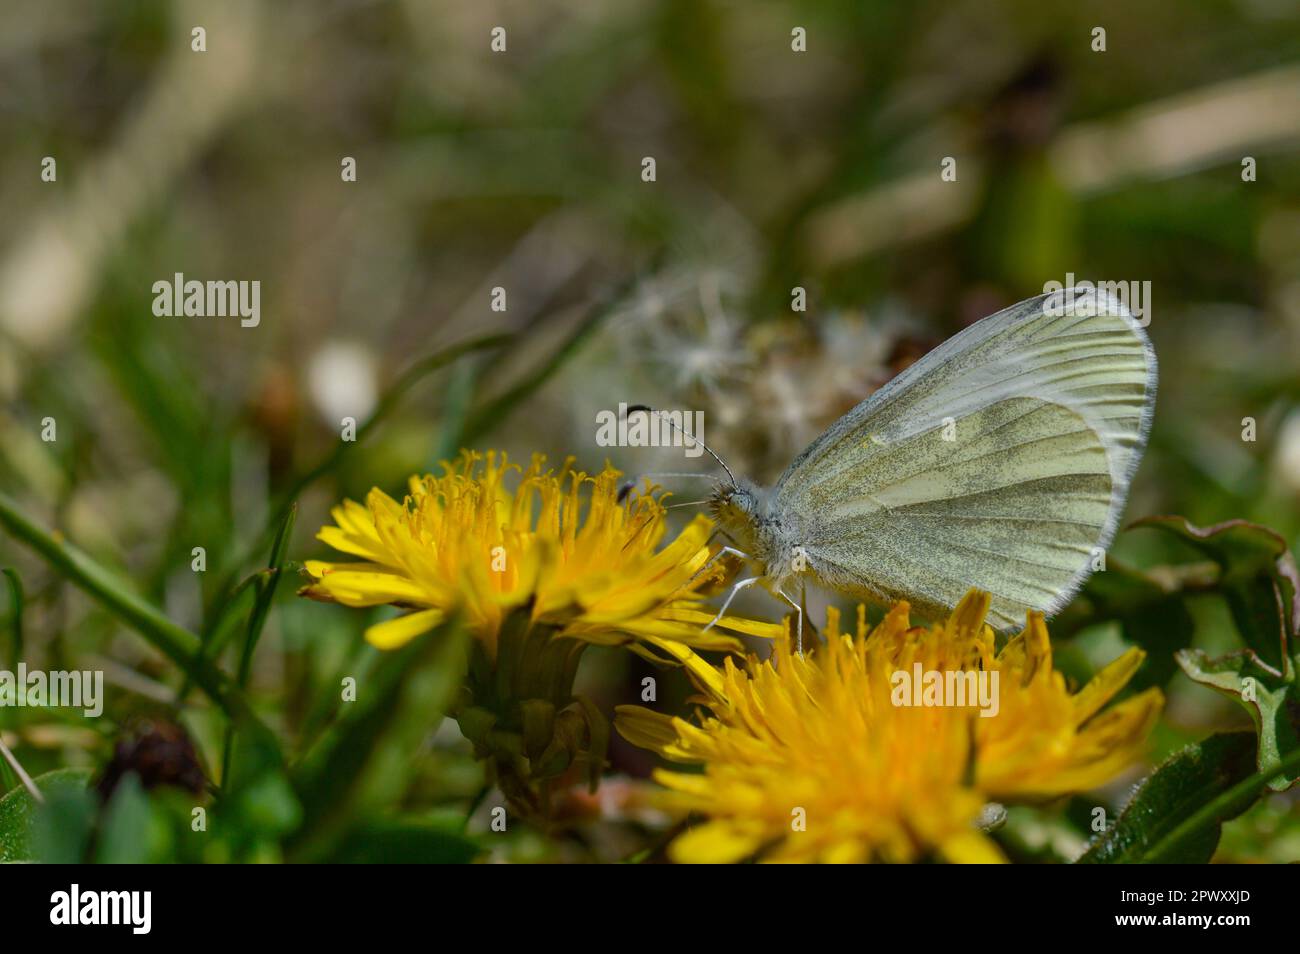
x: 63, y: 826
x: 365, y: 762
x: 124, y: 834
x: 1188, y: 780
x: 405, y: 843
x: 1270, y: 702
x: 1258, y: 577
x: 1259, y: 580
x: 18, y: 812
x: 268, y: 805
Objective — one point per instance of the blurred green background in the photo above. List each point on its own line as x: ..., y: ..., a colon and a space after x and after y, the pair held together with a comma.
x: 523, y: 170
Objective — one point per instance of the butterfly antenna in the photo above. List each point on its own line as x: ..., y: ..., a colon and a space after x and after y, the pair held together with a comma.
x: 630, y: 485
x: 690, y: 437
x: 656, y: 476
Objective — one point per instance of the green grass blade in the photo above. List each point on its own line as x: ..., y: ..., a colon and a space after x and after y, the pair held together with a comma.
x: 257, y: 618
x: 387, y: 404
x: 175, y: 642
x: 489, y: 416
x: 266, y: 593
x: 219, y: 628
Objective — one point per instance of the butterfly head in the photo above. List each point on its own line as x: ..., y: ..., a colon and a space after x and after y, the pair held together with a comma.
x: 737, y: 507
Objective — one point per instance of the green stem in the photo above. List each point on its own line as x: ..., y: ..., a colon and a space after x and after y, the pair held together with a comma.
x: 1212, y: 811
x: 175, y: 642
x: 256, y: 620
x: 266, y: 593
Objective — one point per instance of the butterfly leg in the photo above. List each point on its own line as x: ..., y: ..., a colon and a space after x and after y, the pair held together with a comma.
x: 798, y: 619
x: 714, y: 559
x: 731, y: 596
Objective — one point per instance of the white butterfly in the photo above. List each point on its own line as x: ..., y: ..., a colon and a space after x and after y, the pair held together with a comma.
x: 1001, y: 460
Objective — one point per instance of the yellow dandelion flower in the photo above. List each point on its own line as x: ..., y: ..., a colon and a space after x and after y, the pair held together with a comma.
x: 464, y: 541
x: 538, y: 573
x: 829, y: 756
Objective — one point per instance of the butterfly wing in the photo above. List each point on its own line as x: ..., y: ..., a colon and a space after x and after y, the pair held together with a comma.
x: 1000, y: 460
